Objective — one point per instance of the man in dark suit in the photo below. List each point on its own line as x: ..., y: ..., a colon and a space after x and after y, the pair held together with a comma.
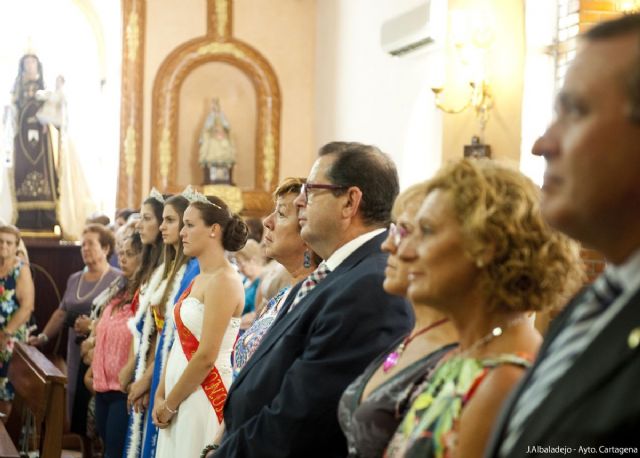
x: 284, y: 402
x: 581, y: 395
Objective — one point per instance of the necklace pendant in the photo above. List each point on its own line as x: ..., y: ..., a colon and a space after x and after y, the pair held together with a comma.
x: 390, y: 362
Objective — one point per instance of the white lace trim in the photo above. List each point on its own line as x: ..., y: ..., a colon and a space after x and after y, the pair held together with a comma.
x: 169, y: 326
x: 144, y: 300
x: 141, y: 349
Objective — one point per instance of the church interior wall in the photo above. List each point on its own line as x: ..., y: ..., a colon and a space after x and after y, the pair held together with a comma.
x: 364, y: 94
x: 338, y: 83
x: 281, y: 30
x: 505, y: 63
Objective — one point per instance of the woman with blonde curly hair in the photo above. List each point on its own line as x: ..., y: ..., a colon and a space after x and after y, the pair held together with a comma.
x: 484, y: 257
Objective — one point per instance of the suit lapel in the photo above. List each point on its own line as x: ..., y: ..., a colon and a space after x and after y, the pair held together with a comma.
x: 609, y: 349
x: 285, y: 319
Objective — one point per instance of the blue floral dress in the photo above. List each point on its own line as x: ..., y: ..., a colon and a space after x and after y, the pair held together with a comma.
x: 251, y: 338
x: 8, y: 306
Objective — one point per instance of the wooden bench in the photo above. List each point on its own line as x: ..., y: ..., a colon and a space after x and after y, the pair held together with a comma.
x: 7, y: 449
x: 40, y: 391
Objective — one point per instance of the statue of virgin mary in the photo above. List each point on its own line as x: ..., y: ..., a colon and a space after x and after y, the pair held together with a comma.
x: 41, y: 173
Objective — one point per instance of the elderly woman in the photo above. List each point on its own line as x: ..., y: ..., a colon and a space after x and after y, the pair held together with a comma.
x: 282, y: 242
x: 483, y: 256
x: 373, y: 405
x: 16, y: 305
x: 82, y: 288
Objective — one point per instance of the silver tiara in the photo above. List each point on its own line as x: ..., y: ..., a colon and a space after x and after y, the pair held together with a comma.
x: 155, y: 194
x: 194, y: 196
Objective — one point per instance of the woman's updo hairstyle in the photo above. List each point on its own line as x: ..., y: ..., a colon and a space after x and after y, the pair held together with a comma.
x: 234, y: 229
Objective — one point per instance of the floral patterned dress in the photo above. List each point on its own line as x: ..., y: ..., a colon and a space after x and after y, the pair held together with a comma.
x: 8, y: 307
x: 248, y: 342
x: 430, y: 427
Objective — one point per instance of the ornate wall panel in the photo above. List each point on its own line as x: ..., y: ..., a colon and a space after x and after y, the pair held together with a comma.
x: 217, y: 46
x: 130, y: 173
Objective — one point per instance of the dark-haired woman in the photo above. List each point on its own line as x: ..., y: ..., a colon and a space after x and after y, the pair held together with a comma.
x: 112, y: 342
x: 179, y: 271
x: 136, y: 376
x: 191, y: 395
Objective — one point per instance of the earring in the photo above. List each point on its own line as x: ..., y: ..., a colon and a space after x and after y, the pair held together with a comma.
x: 212, y: 236
x: 307, y: 259
x: 479, y: 263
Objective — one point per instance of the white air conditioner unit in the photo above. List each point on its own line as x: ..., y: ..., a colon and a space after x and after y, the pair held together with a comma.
x: 413, y: 30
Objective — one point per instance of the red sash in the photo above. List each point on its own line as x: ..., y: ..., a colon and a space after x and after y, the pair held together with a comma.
x: 135, y: 301
x: 212, y: 385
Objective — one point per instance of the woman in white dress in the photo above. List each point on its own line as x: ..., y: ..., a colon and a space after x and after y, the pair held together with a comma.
x: 193, y: 389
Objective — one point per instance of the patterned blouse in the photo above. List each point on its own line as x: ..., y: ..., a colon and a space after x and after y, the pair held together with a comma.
x: 430, y: 427
x: 369, y: 424
x: 247, y: 343
x: 9, y: 305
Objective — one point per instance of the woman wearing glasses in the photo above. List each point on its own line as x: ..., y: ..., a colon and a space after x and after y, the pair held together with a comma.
x: 282, y: 242
x: 371, y: 407
x: 483, y: 256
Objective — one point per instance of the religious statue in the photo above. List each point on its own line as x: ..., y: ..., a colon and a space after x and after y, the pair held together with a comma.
x: 217, y: 151
x: 35, y: 174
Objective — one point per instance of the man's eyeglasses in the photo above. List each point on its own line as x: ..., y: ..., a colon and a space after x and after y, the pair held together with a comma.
x: 306, y: 186
x: 397, y: 233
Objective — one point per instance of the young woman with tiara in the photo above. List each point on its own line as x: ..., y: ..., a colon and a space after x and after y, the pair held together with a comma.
x: 135, y: 377
x: 192, y: 392
x: 179, y: 271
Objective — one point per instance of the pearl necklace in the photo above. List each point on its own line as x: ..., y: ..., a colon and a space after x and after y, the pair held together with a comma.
x: 82, y: 298
x: 495, y: 332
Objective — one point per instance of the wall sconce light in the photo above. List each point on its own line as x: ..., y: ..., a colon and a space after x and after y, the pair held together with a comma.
x: 628, y: 6
x: 480, y: 99
x: 472, y: 33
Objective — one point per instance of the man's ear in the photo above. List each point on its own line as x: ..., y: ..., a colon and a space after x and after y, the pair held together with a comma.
x: 352, y: 202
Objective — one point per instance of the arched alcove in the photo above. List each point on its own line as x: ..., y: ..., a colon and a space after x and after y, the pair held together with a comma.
x: 238, y: 101
x: 215, y: 48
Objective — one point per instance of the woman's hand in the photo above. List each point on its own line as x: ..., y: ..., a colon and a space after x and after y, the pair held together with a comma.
x: 87, y: 358
x: 124, y: 378
x: 82, y: 325
x: 38, y: 340
x: 87, y: 345
x: 137, y: 391
x: 162, y: 414
x: 220, y: 433
x: 88, y: 380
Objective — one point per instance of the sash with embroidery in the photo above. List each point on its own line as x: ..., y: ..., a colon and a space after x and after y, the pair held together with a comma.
x: 212, y: 385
